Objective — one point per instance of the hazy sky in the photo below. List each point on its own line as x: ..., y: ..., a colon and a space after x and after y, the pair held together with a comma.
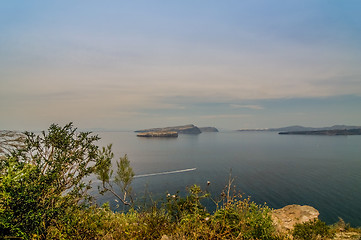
x: 139, y: 64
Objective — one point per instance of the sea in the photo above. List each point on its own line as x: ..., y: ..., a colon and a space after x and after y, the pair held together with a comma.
x: 277, y: 170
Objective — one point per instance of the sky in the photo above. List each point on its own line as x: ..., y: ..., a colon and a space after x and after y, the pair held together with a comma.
x: 126, y: 65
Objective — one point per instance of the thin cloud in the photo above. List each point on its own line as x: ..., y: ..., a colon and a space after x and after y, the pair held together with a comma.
x: 225, y: 116
x: 162, y: 68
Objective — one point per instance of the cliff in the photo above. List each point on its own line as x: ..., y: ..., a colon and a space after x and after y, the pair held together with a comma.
x: 284, y: 220
x: 186, y: 129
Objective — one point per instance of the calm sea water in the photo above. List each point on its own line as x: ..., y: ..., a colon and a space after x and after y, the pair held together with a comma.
x: 321, y: 171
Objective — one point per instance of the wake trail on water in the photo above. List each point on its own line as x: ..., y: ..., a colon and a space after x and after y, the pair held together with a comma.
x: 165, y: 173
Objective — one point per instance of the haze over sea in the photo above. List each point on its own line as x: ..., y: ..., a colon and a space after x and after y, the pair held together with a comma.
x: 321, y: 171
x: 230, y: 64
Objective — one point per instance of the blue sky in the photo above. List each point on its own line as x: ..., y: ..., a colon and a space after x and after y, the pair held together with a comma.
x: 139, y: 64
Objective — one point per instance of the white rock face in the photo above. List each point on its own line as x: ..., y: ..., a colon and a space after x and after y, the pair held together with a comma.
x: 285, y: 218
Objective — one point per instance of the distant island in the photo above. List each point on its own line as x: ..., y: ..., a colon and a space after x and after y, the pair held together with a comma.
x: 208, y: 129
x: 298, y: 128
x: 158, y: 134
x: 171, y: 131
x: 337, y: 132
x: 186, y: 129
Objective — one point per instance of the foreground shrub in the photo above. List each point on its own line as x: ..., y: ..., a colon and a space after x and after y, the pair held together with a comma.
x: 44, y: 179
x: 237, y: 218
x: 311, y: 230
x: 243, y: 219
x: 102, y: 223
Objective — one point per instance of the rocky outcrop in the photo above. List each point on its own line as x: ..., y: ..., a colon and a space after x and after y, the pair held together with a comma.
x: 158, y: 134
x: 186, y: 129
x: 208, y: 129
x: 286, y: 217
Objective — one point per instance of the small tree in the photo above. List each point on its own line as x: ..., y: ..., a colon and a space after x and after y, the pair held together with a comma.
x: 123, y: 178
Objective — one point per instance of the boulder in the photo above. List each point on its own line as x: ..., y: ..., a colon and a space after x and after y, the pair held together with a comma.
x: 285, y: 218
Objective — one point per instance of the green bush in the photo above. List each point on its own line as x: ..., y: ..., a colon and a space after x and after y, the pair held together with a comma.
x: 238, y: 218
x: 243, y: 219
x: 312, y: 230
x: 178, y: 207
x: 43, y: 180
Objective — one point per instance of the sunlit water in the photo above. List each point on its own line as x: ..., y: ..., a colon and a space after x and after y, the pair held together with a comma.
x: 321, y: 171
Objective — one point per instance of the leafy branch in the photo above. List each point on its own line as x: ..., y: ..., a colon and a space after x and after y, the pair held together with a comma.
x: 123, y: 178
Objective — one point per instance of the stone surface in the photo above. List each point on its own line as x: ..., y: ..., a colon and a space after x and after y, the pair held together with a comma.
x: 286, y: 217
x: 165, y: 237
x: 348, y: 236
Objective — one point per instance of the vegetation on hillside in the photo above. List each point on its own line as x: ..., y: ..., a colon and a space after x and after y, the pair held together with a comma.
x: 43, y: 195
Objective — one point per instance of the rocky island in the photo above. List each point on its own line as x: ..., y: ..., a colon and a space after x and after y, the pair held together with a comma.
x: 186, y: 129
x: 174, y: 131
x: 208, y: 129
x: 297, y: 128
x: 337, y: 132
x: 158, y: 134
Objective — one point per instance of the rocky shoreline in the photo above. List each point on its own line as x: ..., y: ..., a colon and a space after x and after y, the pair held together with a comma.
x: 285, y: 218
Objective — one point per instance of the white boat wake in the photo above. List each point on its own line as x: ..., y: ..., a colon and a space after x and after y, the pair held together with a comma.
x: 165, y: 173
